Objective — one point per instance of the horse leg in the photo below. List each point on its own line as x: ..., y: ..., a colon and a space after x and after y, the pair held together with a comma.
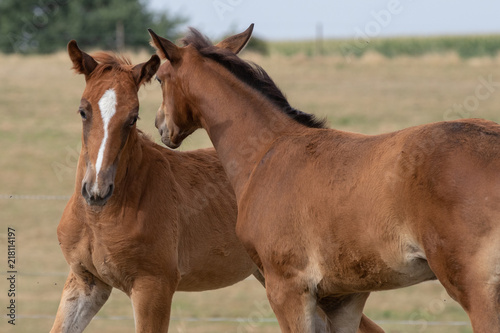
x: 152, y: 299
x: 324, y: 325
x: 293, y: 303
x: 320, y: 319
x: 83, y: 296
x: 345, y: 314
x: 258, y: 275
x: 484, y: 310
x: 474, y: 282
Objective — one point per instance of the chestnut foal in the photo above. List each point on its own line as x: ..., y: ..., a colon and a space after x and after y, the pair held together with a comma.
x: 329, y: 216
x: 143, y: 218
x: 234, y: 45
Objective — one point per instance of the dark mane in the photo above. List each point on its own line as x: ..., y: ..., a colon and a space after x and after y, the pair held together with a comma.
x: 109, y: 60
x: 253, y: 75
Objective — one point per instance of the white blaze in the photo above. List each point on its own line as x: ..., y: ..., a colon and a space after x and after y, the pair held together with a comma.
x: 107, y: 105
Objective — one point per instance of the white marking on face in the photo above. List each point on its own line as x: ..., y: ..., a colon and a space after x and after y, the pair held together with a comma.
x: 107, y: 105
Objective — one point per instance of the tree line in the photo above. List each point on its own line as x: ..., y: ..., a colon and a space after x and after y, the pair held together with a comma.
x: 45, y: 26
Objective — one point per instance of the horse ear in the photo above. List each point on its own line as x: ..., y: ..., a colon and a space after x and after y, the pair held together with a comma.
x: 82, y: 62
x: 143, y: 73
x: 165, y: 48
x: 237, y: 42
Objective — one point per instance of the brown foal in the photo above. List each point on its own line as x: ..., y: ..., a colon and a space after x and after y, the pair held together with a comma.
x: 329, y: 216
x: 143, y: 218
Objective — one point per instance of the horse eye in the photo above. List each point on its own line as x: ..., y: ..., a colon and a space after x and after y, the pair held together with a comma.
x: 82, y: 114
x: 158, y: 79
x: 133, y: 121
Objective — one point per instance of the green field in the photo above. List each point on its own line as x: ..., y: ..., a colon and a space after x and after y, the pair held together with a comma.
x: 464, y: 46
x: 40, y: 138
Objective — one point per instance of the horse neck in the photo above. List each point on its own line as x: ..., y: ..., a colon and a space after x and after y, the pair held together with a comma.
x: 130, y: 160
x: 243, y: 128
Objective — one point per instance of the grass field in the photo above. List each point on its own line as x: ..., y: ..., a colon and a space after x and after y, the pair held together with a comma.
x: 40, y: 138
x: 464, y: 46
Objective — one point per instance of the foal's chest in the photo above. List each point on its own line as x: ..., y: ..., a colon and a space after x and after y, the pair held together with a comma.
x: 107, y: 265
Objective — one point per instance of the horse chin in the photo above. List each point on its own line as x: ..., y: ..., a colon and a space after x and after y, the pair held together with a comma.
x: 169, y: 143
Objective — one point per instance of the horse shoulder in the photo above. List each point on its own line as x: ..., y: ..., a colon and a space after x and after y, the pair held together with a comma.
x: 71, y: 229
x: 75, y: 237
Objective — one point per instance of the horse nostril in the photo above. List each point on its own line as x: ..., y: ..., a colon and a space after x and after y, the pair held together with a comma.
x: 109, y: 193
x: 96, y: 199
x: 85, y: 192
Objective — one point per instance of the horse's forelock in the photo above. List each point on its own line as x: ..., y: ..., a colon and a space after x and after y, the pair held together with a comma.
x: 109, y: 60
x: 196, y: 39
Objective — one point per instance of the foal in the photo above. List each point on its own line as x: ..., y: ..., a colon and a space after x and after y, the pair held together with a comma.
x: 330, y: 216
x: 143, y: 219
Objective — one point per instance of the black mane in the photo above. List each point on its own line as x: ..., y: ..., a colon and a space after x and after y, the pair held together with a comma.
x: 253, y: 75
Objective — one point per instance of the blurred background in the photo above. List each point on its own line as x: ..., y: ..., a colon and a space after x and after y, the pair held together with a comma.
x: 368, y: 66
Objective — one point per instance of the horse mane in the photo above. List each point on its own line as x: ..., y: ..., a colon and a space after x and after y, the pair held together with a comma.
x: 251, y: 74
x: 111, y: 61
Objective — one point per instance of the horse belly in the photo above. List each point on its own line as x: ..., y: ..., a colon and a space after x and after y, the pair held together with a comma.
x: 215, y: 264
x: 410, y: 268
x: 374, y: 270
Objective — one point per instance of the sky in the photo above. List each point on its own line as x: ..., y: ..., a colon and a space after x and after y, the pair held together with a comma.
x: 295, y: 20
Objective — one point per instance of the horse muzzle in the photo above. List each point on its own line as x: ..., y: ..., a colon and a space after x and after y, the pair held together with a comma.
x: 97, y: 190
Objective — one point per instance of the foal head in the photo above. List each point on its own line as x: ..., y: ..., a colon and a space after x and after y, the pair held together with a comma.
x: 109, y: 109
x: 178, y: 116
x: 176, y: 119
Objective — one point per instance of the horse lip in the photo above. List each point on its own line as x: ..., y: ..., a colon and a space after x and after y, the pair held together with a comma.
x: 96, y: 203
x: 165, y: 140
x: 170, y: 144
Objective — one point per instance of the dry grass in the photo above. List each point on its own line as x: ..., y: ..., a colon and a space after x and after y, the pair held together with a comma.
x: 40, y: 139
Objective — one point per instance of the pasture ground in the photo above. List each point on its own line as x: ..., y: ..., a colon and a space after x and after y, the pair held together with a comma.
x: 40, y: 139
